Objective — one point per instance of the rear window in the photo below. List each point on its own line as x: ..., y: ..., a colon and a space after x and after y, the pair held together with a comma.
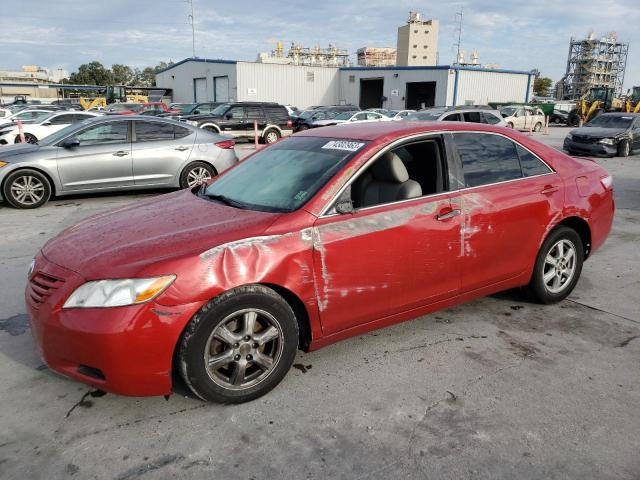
x: 284, y: 176
x: 276, y: 114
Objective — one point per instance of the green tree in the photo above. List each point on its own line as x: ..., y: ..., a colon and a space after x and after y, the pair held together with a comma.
x: 92, y: 73
x: 122, y: 74
x: 542, y: 86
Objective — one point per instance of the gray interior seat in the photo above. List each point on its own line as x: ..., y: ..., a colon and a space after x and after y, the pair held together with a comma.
x: 388, y: 182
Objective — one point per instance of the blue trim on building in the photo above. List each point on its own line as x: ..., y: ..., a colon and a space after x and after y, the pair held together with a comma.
x: 455, y: 90
x: 63, y: 86
x: 526, y: 95
x: 440, y: 67
x: 201, y: 60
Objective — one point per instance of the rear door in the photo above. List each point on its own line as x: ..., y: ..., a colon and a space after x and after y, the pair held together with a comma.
x: 103, y: 159
x: 159, y: 149
x: 254, y: 115
x: 508, y: 200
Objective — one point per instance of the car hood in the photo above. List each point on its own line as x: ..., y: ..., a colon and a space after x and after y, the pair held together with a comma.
x: 8, y: 151
x: 598, y: 132
x: 122, y: 242
x: 321, y: 123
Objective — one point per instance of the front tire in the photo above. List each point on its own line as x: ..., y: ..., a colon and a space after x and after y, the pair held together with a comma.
x: 537, y: 127
x: 239, y: 346
x: 624, y: 148
x: 196, y: 173
x: 26, y: 189
x: 558, y: 266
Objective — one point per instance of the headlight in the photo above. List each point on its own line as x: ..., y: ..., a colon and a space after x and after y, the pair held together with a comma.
x: 569, y: 136
x: 607, y: 141
x: 117, y: 293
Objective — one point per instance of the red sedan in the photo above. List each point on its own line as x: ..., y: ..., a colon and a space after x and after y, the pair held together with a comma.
x: 324, y: 235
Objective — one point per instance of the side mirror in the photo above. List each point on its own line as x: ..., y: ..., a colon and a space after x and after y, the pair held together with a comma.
x: 228, y: 117
x: 46, y: 124
x: 345, y: 207
x: 71, y: 142
x: 195, y: 112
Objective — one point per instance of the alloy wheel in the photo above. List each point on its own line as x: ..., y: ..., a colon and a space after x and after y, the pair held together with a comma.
x: 243, y: 349
x: 559, y: 266
x: 197, y: 176
x: 272, y: 137
x: 27, y: 190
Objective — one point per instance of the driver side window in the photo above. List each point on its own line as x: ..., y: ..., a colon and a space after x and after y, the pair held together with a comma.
x: 116, y: 132
x: 409, y: 171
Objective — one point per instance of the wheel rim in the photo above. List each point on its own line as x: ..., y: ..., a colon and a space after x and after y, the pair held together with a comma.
x: 559, y: 266
x: 27, y: 190
x: 272, y: 137
x: 243, y: 349
x: 31, y: 139
x: 198, y: 175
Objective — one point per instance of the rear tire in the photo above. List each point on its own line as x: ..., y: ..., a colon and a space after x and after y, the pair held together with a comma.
x: 558, y: 266
x: 624, y: 148
x: 302, y: 128
x: 196, y: 173
x: 26, y: 189
x: 239, y: 346
x: 271, y: 136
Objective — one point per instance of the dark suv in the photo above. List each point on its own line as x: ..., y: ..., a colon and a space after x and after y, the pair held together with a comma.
x: 305, y: 119
x: 238, y: 118
x: 203, y: 108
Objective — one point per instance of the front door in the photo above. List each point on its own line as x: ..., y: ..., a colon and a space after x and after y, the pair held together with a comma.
x: 102, y: 160
x: 234, y: 121
x: 159, y: 149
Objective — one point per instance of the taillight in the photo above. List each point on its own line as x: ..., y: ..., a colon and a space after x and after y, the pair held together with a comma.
x: 289, y: 123
x: 607, y: 182
x: 226, y: 144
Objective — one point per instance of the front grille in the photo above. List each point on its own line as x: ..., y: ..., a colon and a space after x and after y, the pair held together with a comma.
x: 41, y: 286
x: 581, y: 139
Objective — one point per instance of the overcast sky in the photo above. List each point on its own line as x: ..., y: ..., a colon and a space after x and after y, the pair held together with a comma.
x: 515, y: 34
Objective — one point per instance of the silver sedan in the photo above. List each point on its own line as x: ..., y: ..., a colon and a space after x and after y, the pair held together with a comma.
x: 109, y: 154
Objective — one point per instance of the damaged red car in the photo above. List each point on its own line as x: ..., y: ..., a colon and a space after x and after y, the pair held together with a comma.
x: 324, y: 235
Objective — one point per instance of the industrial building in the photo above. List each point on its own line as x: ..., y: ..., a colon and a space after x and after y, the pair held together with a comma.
x: 417, y: 42
x: 197, y: 79
x: 593, y: 63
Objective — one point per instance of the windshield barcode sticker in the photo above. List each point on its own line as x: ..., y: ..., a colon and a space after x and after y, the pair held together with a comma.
x: 343, y: 145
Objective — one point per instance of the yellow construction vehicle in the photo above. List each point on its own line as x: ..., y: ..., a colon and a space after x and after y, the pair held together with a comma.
x: 632, y: 105
x: 113, y: 94
x: 593, y: 103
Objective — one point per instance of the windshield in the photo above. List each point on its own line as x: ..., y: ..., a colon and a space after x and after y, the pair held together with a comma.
x: 60, y: 134
x: 610, y: 121
x: 432, y: 116
x: 344, y: 116
x: 284, y: 176
x: 508, y: 111
x: 220, y: 109
x: 307, y: 114
x: 185, y: 108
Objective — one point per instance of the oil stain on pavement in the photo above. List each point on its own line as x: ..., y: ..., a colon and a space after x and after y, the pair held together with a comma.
x: 16, y: 325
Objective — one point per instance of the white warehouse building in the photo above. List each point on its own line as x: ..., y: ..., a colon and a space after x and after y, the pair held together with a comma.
x: 394, y: 88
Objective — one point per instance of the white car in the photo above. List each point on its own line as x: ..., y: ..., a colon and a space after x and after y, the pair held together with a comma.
x: 352, y: 117
x: 523, y: 117
x: 45, y: 126
x: 398, y: 114
x: 5, y: 112
x: 25, y: 116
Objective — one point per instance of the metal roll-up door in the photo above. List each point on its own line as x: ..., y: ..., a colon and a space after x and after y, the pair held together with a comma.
x: 221, y: 89
x: 200, y: 90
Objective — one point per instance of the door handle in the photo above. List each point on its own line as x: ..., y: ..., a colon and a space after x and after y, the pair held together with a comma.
x: 182, y: 149
x: 448, y: 215
x: 548, y: 189
x: 121, y: 153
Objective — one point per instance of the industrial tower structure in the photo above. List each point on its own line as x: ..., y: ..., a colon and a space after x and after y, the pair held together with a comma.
x: 417, y: 42
x: 594, y: 63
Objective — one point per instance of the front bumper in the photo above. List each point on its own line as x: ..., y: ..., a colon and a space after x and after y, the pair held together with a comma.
x: 590, y: 148
x: 124, y: 350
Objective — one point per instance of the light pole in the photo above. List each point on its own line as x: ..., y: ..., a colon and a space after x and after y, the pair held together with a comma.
x: 193, y: 29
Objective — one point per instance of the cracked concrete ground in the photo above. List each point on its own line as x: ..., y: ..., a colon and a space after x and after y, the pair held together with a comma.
x: 496, y: 388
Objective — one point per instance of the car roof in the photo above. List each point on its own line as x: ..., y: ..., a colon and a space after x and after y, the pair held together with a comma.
x: 619, y: 114
x: 373, y: 131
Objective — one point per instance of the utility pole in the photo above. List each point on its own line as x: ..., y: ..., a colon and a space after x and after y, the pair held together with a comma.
x: 459, y: 29
x: 193, y: 29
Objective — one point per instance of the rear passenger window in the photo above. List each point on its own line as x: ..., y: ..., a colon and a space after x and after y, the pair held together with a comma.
x: 153, y: 131
x: 490, y: 118
x: 181, y: 132
x: 452, y: 118
x: 531, y: 165
x: 472, y: 117
x: 254, y: 113
x: 487, y: 158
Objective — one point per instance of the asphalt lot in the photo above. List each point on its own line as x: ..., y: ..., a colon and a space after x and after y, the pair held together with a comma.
x: 496, y: 388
